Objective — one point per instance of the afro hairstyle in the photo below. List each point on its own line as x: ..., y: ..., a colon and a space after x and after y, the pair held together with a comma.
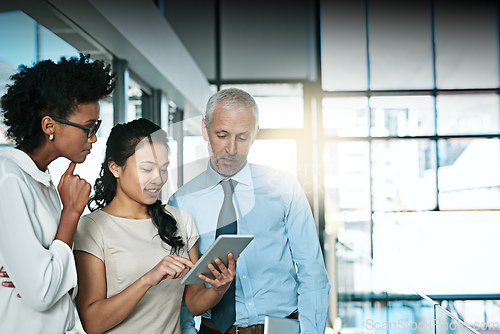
x: 51, y: 89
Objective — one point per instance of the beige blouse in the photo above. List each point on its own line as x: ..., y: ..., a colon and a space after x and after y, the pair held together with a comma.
x: 129, y: 248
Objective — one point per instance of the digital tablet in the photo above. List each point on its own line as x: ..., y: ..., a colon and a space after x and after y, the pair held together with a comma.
x: 224, y: 244
x: 281, y: 325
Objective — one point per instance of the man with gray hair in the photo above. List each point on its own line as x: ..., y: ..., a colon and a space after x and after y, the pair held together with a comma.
x: 281, y: 273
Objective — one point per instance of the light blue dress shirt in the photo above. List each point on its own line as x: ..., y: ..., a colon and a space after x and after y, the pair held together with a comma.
x: 282, y: 269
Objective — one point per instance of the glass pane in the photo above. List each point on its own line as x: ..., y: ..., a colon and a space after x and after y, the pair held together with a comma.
x: 272, y: 110
x: 481, y: 315
x: 346, y: 117
x: 195, y: 157
x: 6, y: 71
x: 17, y: 46
x: 466, y: 44
x: 408, y: 311
x: 347, y: 193
x: 468, y: 114
x: 400, y: 44
x: 270, y: 37
x: 53, y: 47
x: 371, y: 299
x: 134, y: 109
x: 276, y: 100
x: 446, y: 323
x: 434, y: 252
x: 106, y: 114
x: 200, y: 42
x: 17, y: 39
x: 343, y: 45
x: 362, y: 296
x: 403, y: 175
x: 173, y: 173
x: 402, y: 116
x: 166, y: 108
x: 469, y: 174
x: 3, y: 136
x: 263, y: 152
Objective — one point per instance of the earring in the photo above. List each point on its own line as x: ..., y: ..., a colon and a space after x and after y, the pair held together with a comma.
x: 51, y: 137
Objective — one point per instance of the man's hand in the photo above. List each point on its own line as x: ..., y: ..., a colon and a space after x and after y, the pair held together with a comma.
x: 224, y: 276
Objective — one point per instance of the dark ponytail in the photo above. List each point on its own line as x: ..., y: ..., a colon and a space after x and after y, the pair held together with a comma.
x: 166, y: 226
x: 121, y: 145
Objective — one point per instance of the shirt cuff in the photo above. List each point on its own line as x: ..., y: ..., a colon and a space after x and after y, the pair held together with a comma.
x: 65, y: 253
x: 313, y: 311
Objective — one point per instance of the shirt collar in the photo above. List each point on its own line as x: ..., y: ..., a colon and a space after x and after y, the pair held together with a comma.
x: 243, y: 176
x: 27, y: 165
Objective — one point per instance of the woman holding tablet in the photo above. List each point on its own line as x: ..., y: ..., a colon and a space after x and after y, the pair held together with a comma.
x: 131, y: 250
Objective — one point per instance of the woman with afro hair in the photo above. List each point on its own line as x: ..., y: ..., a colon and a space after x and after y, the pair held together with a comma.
x: 51, y: 110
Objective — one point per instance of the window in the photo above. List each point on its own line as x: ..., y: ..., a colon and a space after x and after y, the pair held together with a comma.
x: 281, y: 106
x: 134, y: 108
x: 346, y: 117
x: 400, y: 44
x: 466, y: 44
x: 343, y: 41
x: 402, y: 116
x: 18, y: 39
x: 468, y: 114
x: 403, y: 175
x: 17, y: 46
x: 469, y: 176
x: 263, y: 152
x: 411, y: 119
x: 347, y: 193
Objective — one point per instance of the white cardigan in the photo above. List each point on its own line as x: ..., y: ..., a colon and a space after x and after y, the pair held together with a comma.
x: 42, y: 270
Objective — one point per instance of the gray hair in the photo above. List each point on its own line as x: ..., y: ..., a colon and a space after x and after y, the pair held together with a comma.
x: 233, y: 99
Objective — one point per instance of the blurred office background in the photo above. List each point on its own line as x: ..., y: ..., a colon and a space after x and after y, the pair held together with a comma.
x: 387, y: 112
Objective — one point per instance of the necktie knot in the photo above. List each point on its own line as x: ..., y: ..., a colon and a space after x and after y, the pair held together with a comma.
x: 227, y: 186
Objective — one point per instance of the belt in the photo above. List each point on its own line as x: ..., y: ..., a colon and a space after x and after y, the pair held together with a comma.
x: 253, y: 329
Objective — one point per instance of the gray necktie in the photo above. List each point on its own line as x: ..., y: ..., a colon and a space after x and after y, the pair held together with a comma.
x: 226, y: 224
x: 224, y: 313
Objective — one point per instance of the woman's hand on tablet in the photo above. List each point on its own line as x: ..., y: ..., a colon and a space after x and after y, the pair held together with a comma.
x: 171, y: 266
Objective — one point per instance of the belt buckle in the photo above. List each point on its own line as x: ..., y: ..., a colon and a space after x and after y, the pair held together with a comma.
x: 240, y: 330
x: 246, y: 329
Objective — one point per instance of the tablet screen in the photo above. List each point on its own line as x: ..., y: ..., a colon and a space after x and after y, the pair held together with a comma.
x: 224, y: 244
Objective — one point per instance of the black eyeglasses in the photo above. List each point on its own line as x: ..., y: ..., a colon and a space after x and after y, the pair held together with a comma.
x: 89, y: 130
